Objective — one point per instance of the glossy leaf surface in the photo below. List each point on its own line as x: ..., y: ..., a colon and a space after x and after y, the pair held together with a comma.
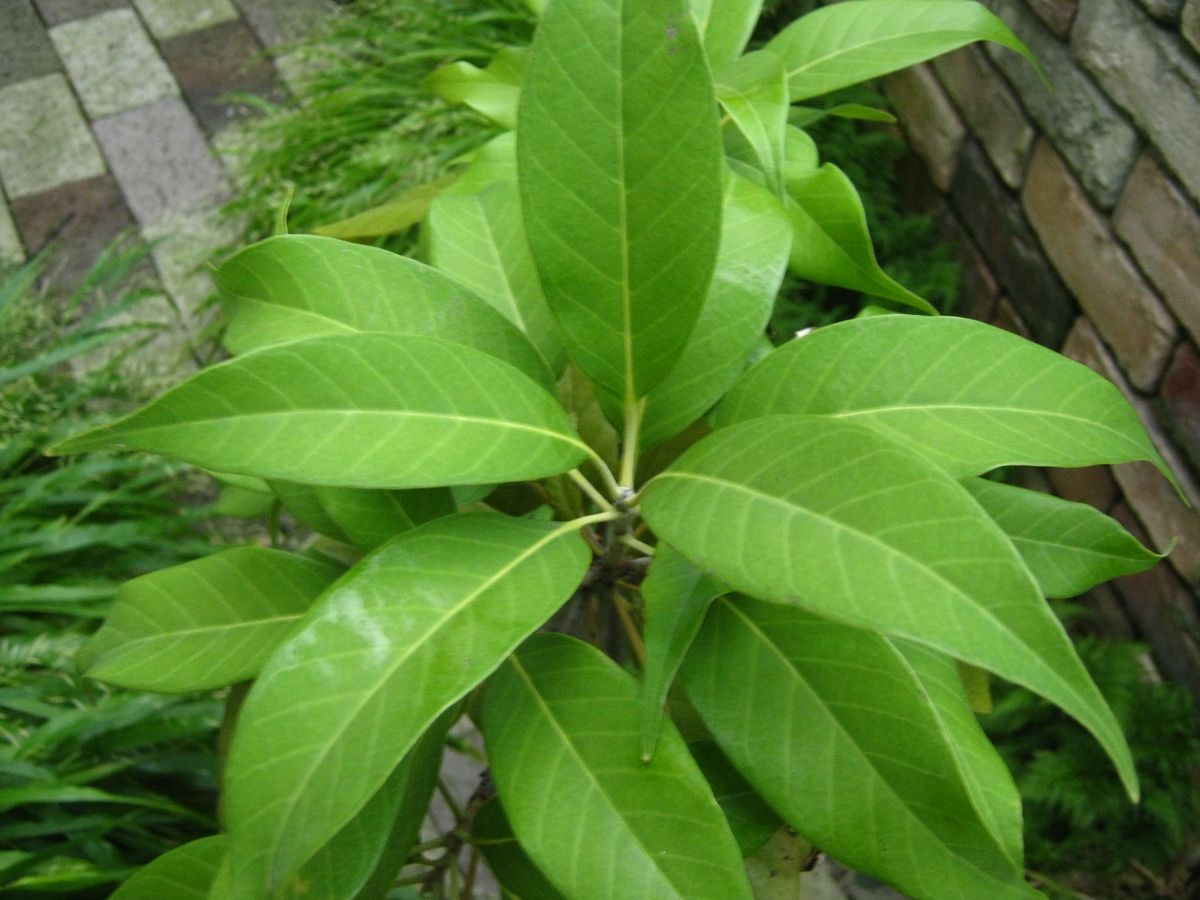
x: 753, y: 90
x: 508, y: 861
x: 830, y: 241
x: 363, y: 410
x: 300, y: 286
x: 726, y: 26
x: 562, y: 727
x: 207, y: 623
x: 1069, y: 547
x: 400, y: 638
x: 834, y: 732
x: 755, y: 240
x: 847, y: 43
x: 184, y: 873
x: 492, y: 92
x: 836, y: 518
x: 617, y: 103
x: 965, y: 395
x: 750, y: 819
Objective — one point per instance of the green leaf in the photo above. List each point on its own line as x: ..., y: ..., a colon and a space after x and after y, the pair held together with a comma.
x: 755, y: 240
x: 184, y: 873
x: 476, y: 235
x: 726, y: 26
x: 677, y: 594
x: 847, y: 43
x: 396, y: 215
x: 830, y: 241
x: 243, y: 503
x: 361, y: 410
x: 803, y: 116
x: 300, y: 286
x: 508, y: 861
x: 1069, y: 547
x: 750, y: 819
x: 302, y: 502
x: 619, y: 158
x: 492, y: 92
x: 562, y: 727
x: 405, y: 634
x: 369, y: 518
x: 753, y: 90
x: 966, y: 395
x: 840, y: 520
x: 206, y: 623
x: 835, y: 732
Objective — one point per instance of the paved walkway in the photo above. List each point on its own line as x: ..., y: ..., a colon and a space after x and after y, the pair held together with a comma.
x: 110, y: 112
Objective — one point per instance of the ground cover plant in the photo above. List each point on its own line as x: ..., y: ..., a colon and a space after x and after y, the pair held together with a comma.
x: 801, y: 565
x: 94, y: 781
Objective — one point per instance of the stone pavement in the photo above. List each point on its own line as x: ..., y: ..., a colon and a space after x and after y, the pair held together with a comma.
x: 110, y: 111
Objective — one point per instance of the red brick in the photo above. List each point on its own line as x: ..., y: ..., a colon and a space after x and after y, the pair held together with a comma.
x: 1181, y: 400
x: 1093, y: 485
x: 1057, y: 14
x: 1165, y: 612
x: 931, y: 125
x: 1162, y: 227
x: 1104, y: 280
x: 1166, y: 517
x: 990, y: 109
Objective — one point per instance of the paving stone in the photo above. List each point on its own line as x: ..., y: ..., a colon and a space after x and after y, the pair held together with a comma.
x: 1085, y: 126
x: 25, y: 51
x: 1165, y: 612
x: 1181, y: 400
x: 168, y: 18
x: 161, y: 160
x: 998, y: 226
x: 45, y: 140
x: 81, y: 218
x: 990, y: 109
x: 1122, y: 306
x: 1189, y: 24
x: 55, y: 12
x: 280, y: 22
x: 1148, y: 72
x: 11, y: 250
x: 1158, y: 506
x: 930, y: 122
x: 1163, y: 229
x: 1164, y: 10
x: 218, y: 61
x: 1057, y: 14
x: 112, y: 62
x: 183, y: 247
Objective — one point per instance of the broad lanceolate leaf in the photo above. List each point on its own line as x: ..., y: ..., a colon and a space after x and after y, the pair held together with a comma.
x: 830, y: 241
x: 750, y: 819
x: 1069, y: 547
x: 677, y: 595
x: 184, y: 873
x: 400, y: 638
x: 753, y: 90
x: 726, y: 26
x: 506, y: 858
x: 836, y: 733
x: 206, y: 623
x: 396, y: 215
x: 300, y: 286
x: 966, y: 395
x: 561, y: 724
x: 361, y: 410
x: 839, y: 519
x: 755, y: 240
x: 847, y: 43
x: 476, y: 234
x: 619, y: 158
x: 492, y: 92
x: 368, y: 518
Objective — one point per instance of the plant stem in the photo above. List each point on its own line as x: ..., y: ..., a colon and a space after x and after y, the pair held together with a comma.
x: 631, y: 631
x: 629, y: 444
x: 583, y: 521
x: 588, y: 488
x: 606, y: 475
x: 455, y: 809
x: 630, y: 541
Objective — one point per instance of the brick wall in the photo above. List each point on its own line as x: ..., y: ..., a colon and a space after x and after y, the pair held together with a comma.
x: 1076, y: 210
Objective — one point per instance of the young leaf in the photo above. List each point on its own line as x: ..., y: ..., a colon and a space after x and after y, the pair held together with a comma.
x: 830, y: 241
x: 206, y: 623
x: 561, y: 724
x: 492, y: 92
x: 361, y: 410
x: 840, y: 520
x: 726, y: 26
x: 677, y: 594
x: 835, y: 732
x: 400, y: 638
x: 476, y: 235
x: 184, y: 873
x: 844, y: 44
x: 624, y: 246
x: 392, y: 217
x: 753, y: 90
x: 299, y: 286
x: 1069, y: 547
x: 755, y: 240
x: 368, y: 518
x: 965, y: 395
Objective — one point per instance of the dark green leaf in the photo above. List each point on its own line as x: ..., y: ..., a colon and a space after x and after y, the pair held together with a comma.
x: 368, y: 518
x: 509, y: 863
